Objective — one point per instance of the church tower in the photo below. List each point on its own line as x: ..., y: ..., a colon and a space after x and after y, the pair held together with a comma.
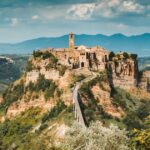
x: 71, y: 40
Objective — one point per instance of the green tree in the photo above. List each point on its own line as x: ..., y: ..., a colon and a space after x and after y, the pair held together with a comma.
x: 126, y: 55
x: 111, y: 55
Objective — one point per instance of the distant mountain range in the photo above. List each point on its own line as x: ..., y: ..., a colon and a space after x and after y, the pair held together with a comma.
x: 139, y: 44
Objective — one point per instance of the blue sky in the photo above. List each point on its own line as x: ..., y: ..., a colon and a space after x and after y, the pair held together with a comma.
x: 26, y: 19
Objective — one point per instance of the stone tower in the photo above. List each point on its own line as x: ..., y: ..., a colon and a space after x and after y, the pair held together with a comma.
x: 71, y: 40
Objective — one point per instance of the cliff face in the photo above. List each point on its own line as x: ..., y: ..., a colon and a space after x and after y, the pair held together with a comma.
x: 123, y: 70
x: 47, y: 81
x: 43, y: 85
x: 144, y: 80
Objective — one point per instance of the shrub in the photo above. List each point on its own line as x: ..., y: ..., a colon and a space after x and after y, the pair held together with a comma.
x: 119, y: 98
x: 21, y: 125
x: 30, y: 87
x: 140, y: 139
x: 96, y: 137
x: 42, y: 83
x: 46, y: 55
x: 111, y: 55
x: 37, y: 54
x: 126, y: 55
x: 62, y: 69
x: 50, y: 90
x: 16, y: 133
x: 143, y: 111
x: 54, y: 112
x: 79, y: 78
x: 133, y: 56
x: 45, y: 85
x: 132, y: 121
x: 13, y: 94
x: 43, y: 126
x: 29, y: 66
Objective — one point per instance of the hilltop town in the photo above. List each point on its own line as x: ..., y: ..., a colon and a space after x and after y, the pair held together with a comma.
x: 77, y: 83
x: 122, y: 67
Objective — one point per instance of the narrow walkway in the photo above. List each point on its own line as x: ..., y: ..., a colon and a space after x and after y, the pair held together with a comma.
x: 77, y: 108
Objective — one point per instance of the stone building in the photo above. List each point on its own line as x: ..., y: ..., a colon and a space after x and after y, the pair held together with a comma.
x: 94, y: 58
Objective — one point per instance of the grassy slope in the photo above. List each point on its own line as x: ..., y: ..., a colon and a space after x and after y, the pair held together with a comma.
x: 19, y: 133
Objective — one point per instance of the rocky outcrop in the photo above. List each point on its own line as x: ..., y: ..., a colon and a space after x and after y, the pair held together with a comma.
x: 123, y: 72
x: 144, y: 80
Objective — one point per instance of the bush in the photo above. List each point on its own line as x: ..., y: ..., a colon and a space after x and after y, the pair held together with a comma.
x: 13, y: 94
x: 29, y: 66
x: 43, y: 126
x: 140, y: 139
x: 50, y: 91
x: 17, y: 133
x: 37, y: 54
x: 132, y: 121
x: 143, y: 111
x: 79, y: 78
x: 54, y: 112
x: 96, y: 137
x: 111, y: 55
x: 46, y: 55
x: 133, y: 56
x: 120, y: 98
x: 62, y: 69
x: 42, y: 83
x: 45, y: 85
x: 126, y: 55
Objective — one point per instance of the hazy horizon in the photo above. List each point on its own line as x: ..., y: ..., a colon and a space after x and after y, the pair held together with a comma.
x: 30, y: 19
x: 57, y: 36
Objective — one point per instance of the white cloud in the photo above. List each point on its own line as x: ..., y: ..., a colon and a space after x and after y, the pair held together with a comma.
x: 104, y: 8
x: 14, y: 22
x: 81, y: 11
x: 131, y: 6
x: 35, y: 17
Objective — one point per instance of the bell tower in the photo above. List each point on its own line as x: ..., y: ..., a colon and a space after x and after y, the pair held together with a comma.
x: 71, y: 40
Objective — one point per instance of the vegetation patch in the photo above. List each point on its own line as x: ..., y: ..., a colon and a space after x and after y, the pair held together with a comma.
x: 54, y: 112
x: 91, y: 109
x: 15, y: 134
x: 96, y: 137
x: 62, y: 69
x: 136, y: 110
x: 47, y: 86
x: 12, y: 94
